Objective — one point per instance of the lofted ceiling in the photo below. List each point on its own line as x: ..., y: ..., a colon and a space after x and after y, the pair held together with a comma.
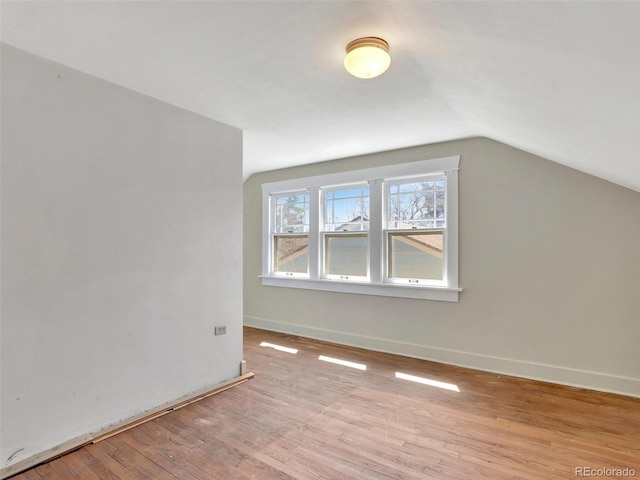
x: 558, y: 79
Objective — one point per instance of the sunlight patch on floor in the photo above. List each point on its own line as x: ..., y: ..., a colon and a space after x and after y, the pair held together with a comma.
x: 427, y: 381
x: 359, y: 366
x: 279, y: 347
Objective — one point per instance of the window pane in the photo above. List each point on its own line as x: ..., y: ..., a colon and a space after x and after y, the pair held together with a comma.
x: 416, y: 256
x: 291, y: 212
x: 346, y: 254
x: 416, y: 204
x: 440, y: 204
x: 347, y: 209
x: 291, y: 253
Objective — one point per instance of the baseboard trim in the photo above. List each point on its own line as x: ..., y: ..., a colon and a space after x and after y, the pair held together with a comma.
x: 534, y: 371
x: 79, y: 442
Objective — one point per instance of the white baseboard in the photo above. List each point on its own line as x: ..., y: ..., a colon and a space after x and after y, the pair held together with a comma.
x: 534, y: 371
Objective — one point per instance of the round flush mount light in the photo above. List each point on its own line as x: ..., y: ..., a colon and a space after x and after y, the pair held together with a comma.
x: 367, y: 57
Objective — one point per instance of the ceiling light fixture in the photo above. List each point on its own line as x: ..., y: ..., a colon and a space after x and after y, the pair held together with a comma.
x: 367, y: 57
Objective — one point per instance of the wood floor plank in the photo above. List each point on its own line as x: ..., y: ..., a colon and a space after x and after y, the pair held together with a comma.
x: 63, y: 470
x: 31, y: 474
x: 91, y: 464
x: 46, y: 472
x: 135, y: 461
x: 155, y: 436
x: 165, y: 460
x: 304, y: 419
x: 76, y: 465
x: 98, y: 456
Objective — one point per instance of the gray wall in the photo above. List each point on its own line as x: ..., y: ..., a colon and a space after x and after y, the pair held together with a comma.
x: 549, y: 263
x: 121, y: 219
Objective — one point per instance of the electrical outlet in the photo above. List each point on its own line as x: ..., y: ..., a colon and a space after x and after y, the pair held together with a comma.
x: 222, y: 330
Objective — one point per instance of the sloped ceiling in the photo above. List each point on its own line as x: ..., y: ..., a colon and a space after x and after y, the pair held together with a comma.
x: 558, y: 79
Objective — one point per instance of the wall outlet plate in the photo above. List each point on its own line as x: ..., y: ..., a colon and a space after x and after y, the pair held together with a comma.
x: 221, y: 330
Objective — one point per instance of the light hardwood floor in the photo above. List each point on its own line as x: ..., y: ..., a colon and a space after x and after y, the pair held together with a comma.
x: 302, y: 418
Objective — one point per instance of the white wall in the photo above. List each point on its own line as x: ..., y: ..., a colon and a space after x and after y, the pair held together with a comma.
x: 121, y: 220
x: 549, y: 263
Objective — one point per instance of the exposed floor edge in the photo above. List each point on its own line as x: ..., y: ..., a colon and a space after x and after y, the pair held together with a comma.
x: 601, y: 382
x: 112, y: 430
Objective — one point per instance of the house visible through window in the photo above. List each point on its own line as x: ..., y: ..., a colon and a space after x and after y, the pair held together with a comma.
x: 380, y: 231
x: 416, y: 226
x: 345, y: 238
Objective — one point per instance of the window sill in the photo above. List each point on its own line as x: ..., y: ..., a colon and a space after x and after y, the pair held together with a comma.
x: 443, y: 294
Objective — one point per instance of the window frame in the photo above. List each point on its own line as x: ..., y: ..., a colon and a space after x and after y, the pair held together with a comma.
x: 377, y: 282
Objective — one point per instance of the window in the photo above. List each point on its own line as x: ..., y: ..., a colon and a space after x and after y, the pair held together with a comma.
x: 345, y: 238
x: 415, y: 230
x: 380, y: 231
x: 290, y: 237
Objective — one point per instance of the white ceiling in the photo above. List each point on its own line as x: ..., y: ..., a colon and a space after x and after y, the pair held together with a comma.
x: 558, y: 79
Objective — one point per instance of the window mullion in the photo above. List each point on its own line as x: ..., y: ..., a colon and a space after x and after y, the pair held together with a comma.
x: 267, y: 237
x: 314, y: 233
x: 451, y: 231
x: 375, y: 230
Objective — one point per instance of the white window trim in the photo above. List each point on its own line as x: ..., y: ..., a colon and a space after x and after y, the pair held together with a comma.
x: 376, y: 284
